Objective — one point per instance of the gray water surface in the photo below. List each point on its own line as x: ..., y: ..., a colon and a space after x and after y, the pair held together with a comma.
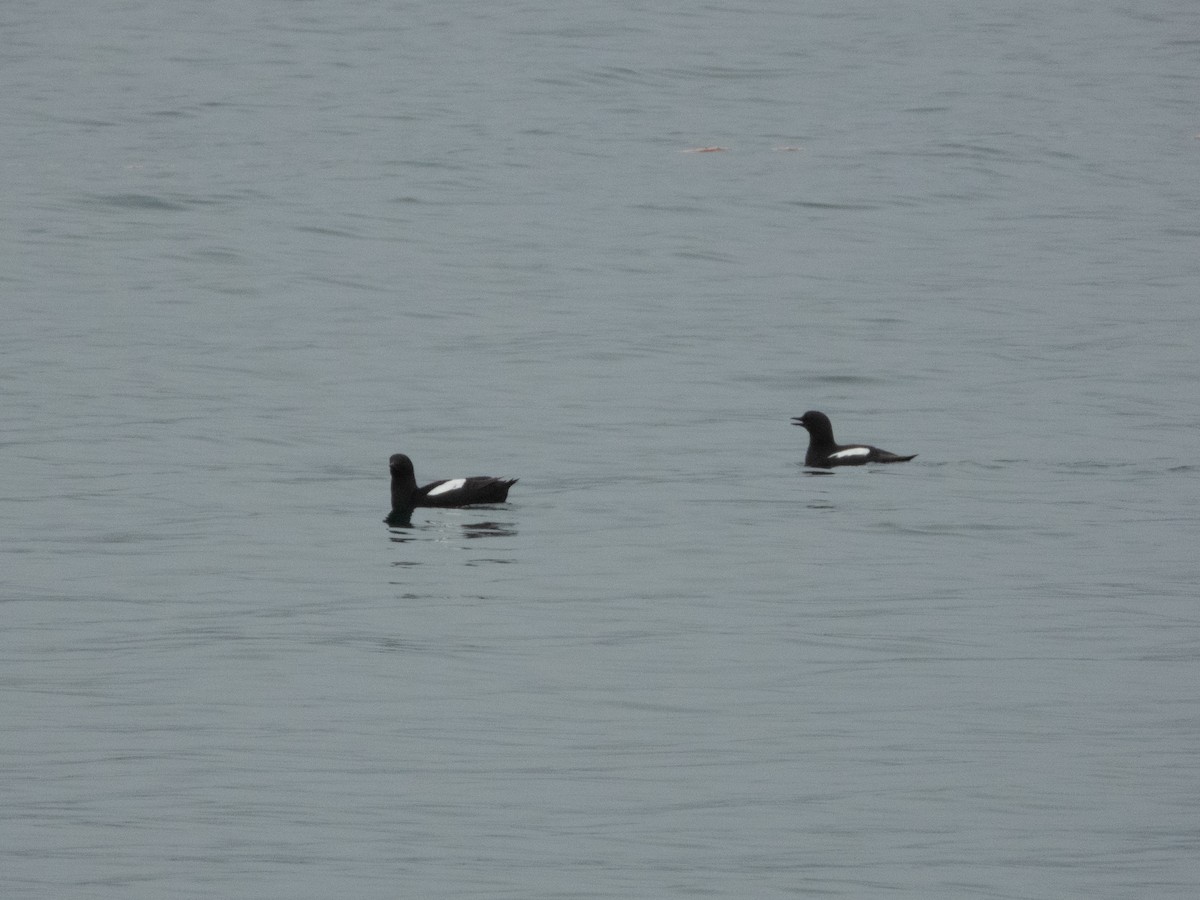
x: 253, y: 249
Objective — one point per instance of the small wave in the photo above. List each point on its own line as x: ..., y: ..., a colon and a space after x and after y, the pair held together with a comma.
x: 136, y: 201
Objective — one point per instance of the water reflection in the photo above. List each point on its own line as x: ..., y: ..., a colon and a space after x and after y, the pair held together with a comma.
x: 399, y: 518
x: 402, y: 530
x: 401, y: 526
x: 490, y: 529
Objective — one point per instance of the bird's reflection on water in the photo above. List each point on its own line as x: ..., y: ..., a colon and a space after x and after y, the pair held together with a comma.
x: 402, y: 530
x: 400, y: 517
x: 489, y: 529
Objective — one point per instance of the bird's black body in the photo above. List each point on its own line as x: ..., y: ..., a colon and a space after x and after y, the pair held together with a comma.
x: 824, y: 452
x: 449, y: 492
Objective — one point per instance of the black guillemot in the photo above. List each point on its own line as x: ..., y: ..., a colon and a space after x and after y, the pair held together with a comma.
x: 824, y: 452
x: 449, y: 492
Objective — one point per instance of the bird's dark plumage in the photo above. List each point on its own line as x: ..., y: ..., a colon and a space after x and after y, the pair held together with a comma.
x: 824, y: 452
x: 449, y: 492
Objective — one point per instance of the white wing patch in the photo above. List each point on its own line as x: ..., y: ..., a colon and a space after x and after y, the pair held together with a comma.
x: 851, y: 453
x: 452, y: 485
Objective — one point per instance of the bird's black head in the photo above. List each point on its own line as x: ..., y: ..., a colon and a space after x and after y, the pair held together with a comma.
x: 817, y: 424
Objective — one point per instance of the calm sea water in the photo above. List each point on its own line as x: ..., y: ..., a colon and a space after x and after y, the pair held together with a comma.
x: 252, y: 249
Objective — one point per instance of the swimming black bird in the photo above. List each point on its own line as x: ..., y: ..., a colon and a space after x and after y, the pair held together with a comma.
x: 449, y: 492
x: 824, y: 452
